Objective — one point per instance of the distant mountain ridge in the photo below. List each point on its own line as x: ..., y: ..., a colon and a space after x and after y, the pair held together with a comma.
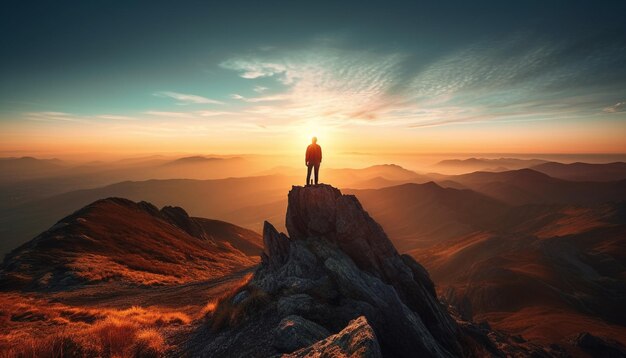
x: 15, y: 169
x: 415, y: 214
x: 486, y: 164
x: 198, y: 159
x: 584, y: 171
x: 528, y: 186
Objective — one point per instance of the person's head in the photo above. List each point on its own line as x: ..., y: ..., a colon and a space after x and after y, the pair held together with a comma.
x: 314, y: 140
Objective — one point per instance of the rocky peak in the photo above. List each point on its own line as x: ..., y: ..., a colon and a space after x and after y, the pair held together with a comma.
x: 333, y: 241
x: 322, y: 211
x: 336, y: 272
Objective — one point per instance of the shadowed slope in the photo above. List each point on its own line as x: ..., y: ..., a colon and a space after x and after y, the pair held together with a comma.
x: 547, y: 272
x: 584, y: 171
x: 418, y: 215
x: 120, y: 240
x: 527, y: 186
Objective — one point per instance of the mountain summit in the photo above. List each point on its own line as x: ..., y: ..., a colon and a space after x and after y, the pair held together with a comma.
x: 336, y: 272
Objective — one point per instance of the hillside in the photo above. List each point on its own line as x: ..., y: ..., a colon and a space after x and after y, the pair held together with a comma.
x: 17, y: 169
x: 584, y: 171
x: 419, y: 215
x: 527, y: 186
x: 546, y: 272
x: 458, y: 166
x: 219, y: 199
x: 135, y: 243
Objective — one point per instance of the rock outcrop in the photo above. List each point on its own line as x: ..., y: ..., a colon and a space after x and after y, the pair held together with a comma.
x: 295, y: 332
x: 356, y: 340
x: 336, y: 271
x: 333, y: 241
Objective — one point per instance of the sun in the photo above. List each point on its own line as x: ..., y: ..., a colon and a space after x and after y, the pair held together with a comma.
x: 314, y: 129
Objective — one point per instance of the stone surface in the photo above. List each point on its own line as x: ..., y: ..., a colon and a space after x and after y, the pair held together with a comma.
x: 322, y: 212
x: 294, y: 332
x: 357, y: 340
x: 338, y: 270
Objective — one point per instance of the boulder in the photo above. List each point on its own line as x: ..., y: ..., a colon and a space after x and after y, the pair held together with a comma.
x: 357, y: 340
x: 294, y: 332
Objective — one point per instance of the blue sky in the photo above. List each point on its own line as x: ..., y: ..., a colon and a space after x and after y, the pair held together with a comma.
x: 395, y: 70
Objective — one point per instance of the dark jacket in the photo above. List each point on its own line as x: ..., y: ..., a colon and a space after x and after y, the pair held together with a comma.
x: 313, y: 154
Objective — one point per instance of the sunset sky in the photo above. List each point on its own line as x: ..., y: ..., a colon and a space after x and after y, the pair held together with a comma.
x: 263, y: 77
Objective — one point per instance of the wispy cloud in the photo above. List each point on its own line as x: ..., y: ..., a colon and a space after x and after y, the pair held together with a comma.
x: 51, y: 116
x: 70, y: 117
x: 617, y: 107
x: 500, y: 81
x: 116, y: 117
x: 185, y: 99
x: 190, y: 114
x: 169, y: 114
x: 214, y: 113
x: 272, y: 98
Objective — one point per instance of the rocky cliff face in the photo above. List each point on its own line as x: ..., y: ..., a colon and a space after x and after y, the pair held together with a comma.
x: 369, y: 271
x: 336, y: 272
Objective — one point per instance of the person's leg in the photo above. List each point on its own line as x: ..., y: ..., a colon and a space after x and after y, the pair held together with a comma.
x: 317, y: 173
x: 308, y: 174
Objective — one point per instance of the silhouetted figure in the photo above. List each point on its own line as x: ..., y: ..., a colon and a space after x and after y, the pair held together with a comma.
x: 313, y: 160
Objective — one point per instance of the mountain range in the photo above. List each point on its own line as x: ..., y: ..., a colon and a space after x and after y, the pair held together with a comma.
x: 515, y: 253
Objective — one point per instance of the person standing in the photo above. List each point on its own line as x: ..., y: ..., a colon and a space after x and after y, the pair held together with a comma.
x: 313, y: 159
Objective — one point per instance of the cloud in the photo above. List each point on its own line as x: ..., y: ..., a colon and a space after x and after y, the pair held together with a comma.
x: 503, y: 81
x: 116, y: 117
x: 617, y: 107
x: 321, y: 83
x: 189, y: 115
x: 51, y: 116
x: 184, y: 99
x: 170, y: 114
x: 48, y: 116
x: 253, y: 69
x: 214, y: 113
x: 260, y: 89
x: 277, y: 97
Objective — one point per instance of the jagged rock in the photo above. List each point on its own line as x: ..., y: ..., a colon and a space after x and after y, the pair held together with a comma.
x: 295, y: 332
x: 179, y: 217
x: 356, y: 340
x: 275, y: 243
x: 323, y: 212
x: 336, y: 265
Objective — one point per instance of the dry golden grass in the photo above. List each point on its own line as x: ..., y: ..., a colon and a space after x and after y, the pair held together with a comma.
x: 33, y: 327
x: 222, y: 312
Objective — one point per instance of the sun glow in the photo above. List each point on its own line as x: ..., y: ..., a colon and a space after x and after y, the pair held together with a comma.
x: 314, y: 129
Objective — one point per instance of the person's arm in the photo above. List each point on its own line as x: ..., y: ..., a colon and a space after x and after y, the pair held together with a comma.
x: 320, y: 154
x: 307, y: 155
